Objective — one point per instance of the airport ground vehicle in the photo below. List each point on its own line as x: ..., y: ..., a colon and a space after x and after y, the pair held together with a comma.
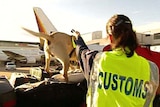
x: 10, y: 66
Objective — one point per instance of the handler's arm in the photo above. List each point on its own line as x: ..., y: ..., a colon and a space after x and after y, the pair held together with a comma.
x: 85, y: 56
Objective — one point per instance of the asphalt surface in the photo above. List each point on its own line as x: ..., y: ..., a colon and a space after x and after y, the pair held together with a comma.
x: 8, y: 73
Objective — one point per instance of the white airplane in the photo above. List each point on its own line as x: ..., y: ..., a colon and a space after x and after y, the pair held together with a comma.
x: 27, y: 52
x: 23, y: 52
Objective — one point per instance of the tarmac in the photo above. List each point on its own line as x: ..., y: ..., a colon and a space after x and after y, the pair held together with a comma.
x: 19, y: 69
x: 7, y: 73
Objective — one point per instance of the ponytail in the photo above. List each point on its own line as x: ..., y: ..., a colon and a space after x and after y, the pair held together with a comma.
x: 120, y: 27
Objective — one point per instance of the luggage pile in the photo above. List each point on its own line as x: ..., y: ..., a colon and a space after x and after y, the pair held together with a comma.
x: 36, y: 89
x: 7, y: 94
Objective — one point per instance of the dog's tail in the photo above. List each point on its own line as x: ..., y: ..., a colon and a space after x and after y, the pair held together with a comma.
x: 38, y: 34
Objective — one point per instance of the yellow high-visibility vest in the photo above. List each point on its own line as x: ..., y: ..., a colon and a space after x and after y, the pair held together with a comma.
x: 118, y: 81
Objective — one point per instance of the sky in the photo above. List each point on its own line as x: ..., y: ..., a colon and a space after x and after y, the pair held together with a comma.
x: 82, y: 15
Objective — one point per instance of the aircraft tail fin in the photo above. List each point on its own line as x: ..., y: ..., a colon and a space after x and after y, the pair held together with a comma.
x: 43, y: 23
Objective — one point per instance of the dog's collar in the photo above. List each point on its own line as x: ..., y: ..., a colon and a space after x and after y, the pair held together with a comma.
x: 73, y: 43
x: 74, y: 46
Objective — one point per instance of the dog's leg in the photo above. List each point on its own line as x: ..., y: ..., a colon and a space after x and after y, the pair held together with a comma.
x: 64, y: 59
x: 63, y: 76
x: 47, y: 62
x: 65, y: 64
x: 47, y: 57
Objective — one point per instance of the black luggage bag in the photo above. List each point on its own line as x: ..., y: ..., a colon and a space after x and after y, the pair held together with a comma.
x: 52, y: 94
x: 17, y: 79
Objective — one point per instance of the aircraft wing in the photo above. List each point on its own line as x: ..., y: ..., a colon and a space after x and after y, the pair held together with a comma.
x: 14, y: 56
x: 43, y: 23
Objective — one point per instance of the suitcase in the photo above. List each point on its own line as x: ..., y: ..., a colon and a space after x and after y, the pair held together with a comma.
x: 40, y: 74
x: 50, y: 93
x: 17, y: 79
x: 7, y: 93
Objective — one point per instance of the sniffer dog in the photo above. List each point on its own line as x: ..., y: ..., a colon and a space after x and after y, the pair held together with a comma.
x: 59, y: 45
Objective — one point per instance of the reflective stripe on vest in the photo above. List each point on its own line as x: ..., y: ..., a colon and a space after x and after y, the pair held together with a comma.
x: 119, y: 81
